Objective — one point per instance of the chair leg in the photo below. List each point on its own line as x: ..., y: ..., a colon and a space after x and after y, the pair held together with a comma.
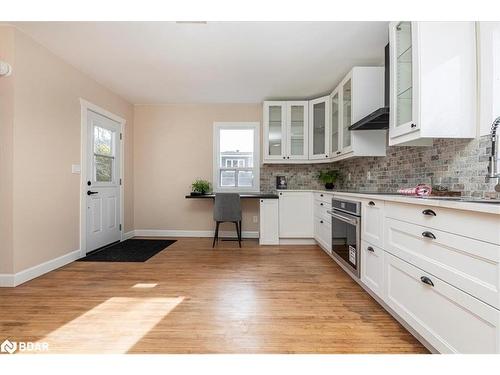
x: 216, y: 234
x: 238, y: 232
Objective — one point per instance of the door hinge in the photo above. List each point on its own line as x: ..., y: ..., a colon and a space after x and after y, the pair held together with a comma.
x: 120, y: 181
x: 120, y: 136
x: 120, y: 227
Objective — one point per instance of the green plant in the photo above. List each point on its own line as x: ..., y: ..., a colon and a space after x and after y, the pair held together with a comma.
x: 201, y: 186
x: 329, y: 177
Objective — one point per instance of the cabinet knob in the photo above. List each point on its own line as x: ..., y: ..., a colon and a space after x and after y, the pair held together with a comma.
x: 288, y: 157
x: 413, y: 126
x: 281, y: 193
x: 426, y: 280
x: 429, y: 212
x: 284, y: 157
x: 326, y: 156
x: 371, y: 203
x: 338, y: 152
x: 321, y: 204
x: 428, y: 234
x: 262, y: 200
x: 321, y: 221
x: 369, y: 248
x: 321, y: 195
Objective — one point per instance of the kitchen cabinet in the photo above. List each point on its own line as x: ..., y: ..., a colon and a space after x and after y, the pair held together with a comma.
x: 323, y: 221
x: 359, y: 93
x: 269, y: 222
x: 372, y: 267
x: 372, y: 225
x: 296, y: 214
x: 433, y: 81
x: 319, y: 128
x: 451, y: 320
x: 286, y: 131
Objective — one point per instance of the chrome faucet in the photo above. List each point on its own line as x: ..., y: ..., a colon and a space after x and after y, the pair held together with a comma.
x: 494, y: 160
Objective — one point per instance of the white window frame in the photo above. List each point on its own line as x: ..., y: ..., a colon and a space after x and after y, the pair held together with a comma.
x: 255, y: 126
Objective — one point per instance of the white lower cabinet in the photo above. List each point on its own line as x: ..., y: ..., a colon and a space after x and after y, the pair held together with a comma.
x: 296, y: 214
x: 372, y: 222
x: 451, y: 320
x: 372, y: 267
x: 323, y: 233
x: 269, y: 222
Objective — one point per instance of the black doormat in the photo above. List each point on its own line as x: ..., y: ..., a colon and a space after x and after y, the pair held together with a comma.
x: 133, y: 250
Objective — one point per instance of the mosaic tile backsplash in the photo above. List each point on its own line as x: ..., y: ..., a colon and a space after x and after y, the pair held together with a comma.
x: 457, y: 164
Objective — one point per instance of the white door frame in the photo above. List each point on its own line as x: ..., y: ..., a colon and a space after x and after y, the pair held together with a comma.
x: 86, y: 106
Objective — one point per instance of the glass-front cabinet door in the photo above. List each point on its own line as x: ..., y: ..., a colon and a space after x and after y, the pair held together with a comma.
x: 274, y: 130
x: 402, y: 78
x: 296, y: 130
x: 335, y: 124
x: 346, y: 101
x: 319, y: 128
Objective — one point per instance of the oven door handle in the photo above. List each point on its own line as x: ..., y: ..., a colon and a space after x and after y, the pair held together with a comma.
x: 344, y: 218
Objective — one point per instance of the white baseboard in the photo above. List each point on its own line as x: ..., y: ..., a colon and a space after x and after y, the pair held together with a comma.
x: 128, y: 235
x: 297, y: 241
x: 38, y: 270
x: 191, y: 233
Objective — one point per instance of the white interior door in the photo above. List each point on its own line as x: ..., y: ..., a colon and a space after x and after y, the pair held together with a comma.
x: 103, y: 181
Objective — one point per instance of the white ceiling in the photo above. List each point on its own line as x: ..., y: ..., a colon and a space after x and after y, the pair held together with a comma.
x: 230, y: 62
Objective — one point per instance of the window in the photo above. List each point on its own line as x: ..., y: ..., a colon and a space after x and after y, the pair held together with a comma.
x: 236, y: 156
x: 103, y: 155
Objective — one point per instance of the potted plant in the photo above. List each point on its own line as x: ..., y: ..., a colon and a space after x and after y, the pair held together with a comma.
x: 329, y: 178
x: 200, y: 187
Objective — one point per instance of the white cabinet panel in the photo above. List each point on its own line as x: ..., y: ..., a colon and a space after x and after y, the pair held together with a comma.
x: 323, y: 233
x: 372, y: 267
x: 319, y: 128
x: 274, y: 131
x: 297, y: 130
x: 372, y: 222
x: 296, y: 215
x: 269, y: 222
x: 450, y: 320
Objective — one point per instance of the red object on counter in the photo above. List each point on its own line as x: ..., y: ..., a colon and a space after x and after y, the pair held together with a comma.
x: 421, y: 190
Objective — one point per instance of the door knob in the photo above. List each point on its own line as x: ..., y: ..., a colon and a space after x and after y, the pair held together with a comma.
x: 92, y: 192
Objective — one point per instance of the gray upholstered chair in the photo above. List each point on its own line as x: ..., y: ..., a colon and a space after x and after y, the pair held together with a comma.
x: 227, y: 208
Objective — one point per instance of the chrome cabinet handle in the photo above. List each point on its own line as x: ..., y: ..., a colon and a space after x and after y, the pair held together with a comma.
x: 429, y: 212
x: 426, y: 280
x: 371, y: 203
x: 91, y: 192
x: 428, y: 234
x: 369, y: 248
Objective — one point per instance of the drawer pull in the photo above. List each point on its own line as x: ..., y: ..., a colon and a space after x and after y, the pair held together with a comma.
x: 429, y: 235
x: 369, y: 248
x: 426, y: 280
x: 429, y: 212
x: 371, y: 203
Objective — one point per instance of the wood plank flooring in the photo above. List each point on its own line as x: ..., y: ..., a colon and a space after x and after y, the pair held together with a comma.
x: 191, y: 298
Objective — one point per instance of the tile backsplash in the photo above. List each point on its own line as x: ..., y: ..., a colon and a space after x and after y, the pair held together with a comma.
x: 457, y: 164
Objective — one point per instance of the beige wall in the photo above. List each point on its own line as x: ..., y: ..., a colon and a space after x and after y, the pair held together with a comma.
x: 46, y: 144
x: 6, y: 152
x: 173, y: 146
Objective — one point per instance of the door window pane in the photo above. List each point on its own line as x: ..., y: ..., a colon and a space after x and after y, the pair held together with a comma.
x: 403, y: 73
x: 103, y: 141
x: 319, y: 128
x: 346, y: 110
x: 297, y: 130
x: 335, y: 122
x: 275, y: 130
x: 103, y: 168
x: 228, y: 178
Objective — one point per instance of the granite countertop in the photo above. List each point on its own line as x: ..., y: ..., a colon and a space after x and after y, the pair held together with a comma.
x: 477, y: 205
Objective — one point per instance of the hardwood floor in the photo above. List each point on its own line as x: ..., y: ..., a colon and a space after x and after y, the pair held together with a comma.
x: 191, y: 298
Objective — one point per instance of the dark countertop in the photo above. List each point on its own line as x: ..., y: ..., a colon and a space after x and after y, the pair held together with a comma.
x: 259, y: 195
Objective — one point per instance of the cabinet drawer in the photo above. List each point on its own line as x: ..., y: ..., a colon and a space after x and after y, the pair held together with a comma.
x: 320, y: 210
x: 323, y: 197
x: 468, y: 264
x: 372, y: 222
x: 372, y: 267
x: 450, y: 320
x: 485, y: 227
x: 323, y: 234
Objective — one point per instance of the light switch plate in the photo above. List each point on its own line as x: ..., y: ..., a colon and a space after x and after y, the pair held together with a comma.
x: 75, y: 168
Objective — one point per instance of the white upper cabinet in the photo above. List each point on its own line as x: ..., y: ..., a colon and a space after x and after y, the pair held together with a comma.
x: 286, y: 131
x: 358, y: 94
x: 433, y: 81
x: 319, y: 128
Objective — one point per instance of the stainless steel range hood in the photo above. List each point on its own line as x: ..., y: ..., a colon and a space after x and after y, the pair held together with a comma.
x: 378, y: 119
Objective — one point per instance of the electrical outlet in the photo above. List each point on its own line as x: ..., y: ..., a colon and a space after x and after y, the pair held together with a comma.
x: 369, y: 175
x: 255, y: 219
